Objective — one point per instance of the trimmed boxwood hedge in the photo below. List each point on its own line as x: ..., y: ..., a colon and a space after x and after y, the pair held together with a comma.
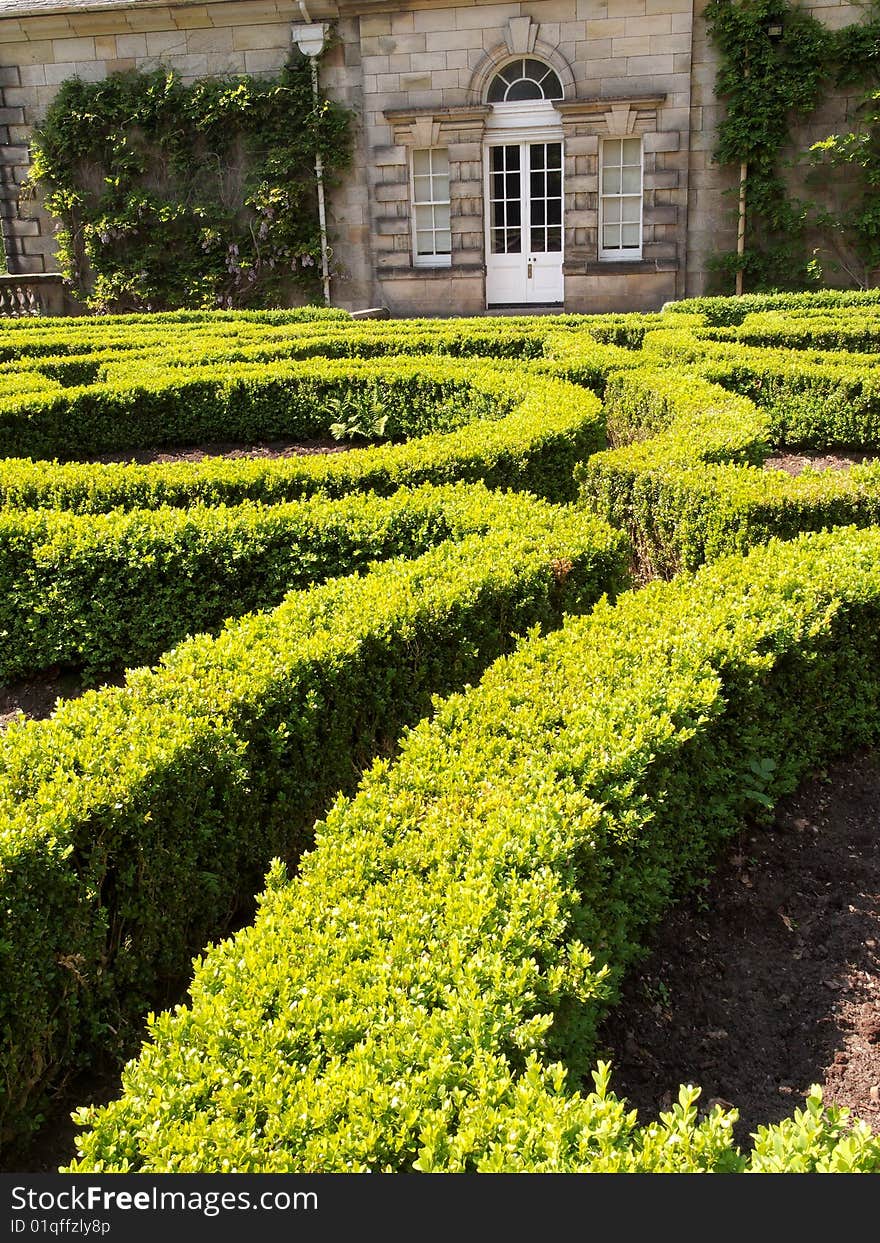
x: 424, y: 995
x: 96, y: 592
x: 694, y: 489
x: 138, y: 820
x: 551, y: 425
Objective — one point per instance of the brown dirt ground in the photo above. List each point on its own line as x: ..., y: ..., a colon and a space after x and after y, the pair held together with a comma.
x: 36, y: 696
x: 796, y: 463
x: 768, y: 980
x: 224, y: 449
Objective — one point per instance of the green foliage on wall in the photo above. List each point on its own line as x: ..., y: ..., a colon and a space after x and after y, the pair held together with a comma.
x: 770, y: 79
x: 204, y: 195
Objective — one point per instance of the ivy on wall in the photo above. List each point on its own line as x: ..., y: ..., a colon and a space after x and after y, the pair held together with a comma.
x: 769, y: 84
x: 170, y: 195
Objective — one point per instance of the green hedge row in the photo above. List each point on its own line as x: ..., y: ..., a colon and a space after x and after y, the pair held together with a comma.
x: 693, y: 489
x: 424, y: 995
x: 101, y: 591
x: 786, y: 332
x: 101, y: 356
x: 154, y: 407
x: 137, y: 820
x: 726, y: 311
x: 814, y: 399
x: 551, y: 426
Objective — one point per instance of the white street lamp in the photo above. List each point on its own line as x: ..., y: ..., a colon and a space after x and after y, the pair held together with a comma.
x: 310, y: 38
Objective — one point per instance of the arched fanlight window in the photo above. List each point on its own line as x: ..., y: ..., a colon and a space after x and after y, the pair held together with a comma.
x: 524, y: 79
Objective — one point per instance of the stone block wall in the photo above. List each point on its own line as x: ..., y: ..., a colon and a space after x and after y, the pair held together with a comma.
x: 713, y: 190
x: 90, y: 40
x: 625, y: 66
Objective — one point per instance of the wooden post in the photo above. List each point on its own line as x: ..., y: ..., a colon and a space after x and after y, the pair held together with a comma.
x: 741, y: 226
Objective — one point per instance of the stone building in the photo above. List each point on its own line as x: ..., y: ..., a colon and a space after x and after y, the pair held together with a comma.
x: 545, y: 153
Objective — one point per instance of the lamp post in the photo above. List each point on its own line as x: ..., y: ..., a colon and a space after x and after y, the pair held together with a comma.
x: 310, y: 38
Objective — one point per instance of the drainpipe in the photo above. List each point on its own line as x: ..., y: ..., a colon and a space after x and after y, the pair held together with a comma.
x: 310, y: 38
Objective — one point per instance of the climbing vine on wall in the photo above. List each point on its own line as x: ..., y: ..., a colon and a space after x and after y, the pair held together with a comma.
x: 777, y: 63
x: 203, y: 195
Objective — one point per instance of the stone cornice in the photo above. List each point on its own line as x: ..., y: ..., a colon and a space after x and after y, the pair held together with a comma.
x: 576, y: 108
x: 135, y: 15
x: 452, y: 112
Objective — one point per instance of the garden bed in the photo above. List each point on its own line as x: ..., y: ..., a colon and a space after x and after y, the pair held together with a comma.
x: 797, y: 463
x: 769, y: 980
x: 229, y: 450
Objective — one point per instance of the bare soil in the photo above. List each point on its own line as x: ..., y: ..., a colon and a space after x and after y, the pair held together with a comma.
x: 225, y: 449
x: 768, y: 981
x: 36, y: 697
x: 797, y: 463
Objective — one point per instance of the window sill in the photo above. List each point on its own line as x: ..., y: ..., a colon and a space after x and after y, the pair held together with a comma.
x: 618, y: 267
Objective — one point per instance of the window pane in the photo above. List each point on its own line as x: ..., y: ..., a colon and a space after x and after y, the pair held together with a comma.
x: 440, y: 160
x: 554, y: 211
x: 514, y: 241
x: 611, y: 149
x: 443, y: 242
x: 537, y: 154
x: 632, y: 150
x: 497, y: 90
x: 440, y: 188
x: 524, y: 89
x: 538, y: 241
x: 512, y: 186
x: 534, y: 69
x: 630, y: 235
x: 611, y: 237
x: 421, y: 163
x: 538, y: 212
x: 424, y: 217
x: 611, y: 180
x: 422, y: 190
x: 441, y: 216
x: 554, y: 155
x: 631, y: 210
x: 554, y: 238
x: 537, y: 185
x: 514, y: 212
x: 632, y: 180
x: 611, y: 211
x: 425, y: 243
x: 554, y: 185
x: 552, y: 86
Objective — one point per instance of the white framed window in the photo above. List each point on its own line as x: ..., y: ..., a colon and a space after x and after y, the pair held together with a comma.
x: 432, y: 236
x: 620, y: 199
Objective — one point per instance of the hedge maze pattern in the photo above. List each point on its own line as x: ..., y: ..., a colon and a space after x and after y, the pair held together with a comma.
x: 482, y: 694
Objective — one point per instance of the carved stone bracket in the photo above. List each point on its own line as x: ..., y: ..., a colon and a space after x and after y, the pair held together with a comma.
x: 438, y: 127
x: 611, y: 117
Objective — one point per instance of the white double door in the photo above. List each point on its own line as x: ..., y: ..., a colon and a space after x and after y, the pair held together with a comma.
x: 524, y: 223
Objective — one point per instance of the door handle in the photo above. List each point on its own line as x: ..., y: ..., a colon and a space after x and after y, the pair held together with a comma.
x: 530, y: 269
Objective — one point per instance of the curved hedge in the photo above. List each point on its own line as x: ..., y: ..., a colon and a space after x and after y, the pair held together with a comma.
x: 551, y: 425
x: 96, y: 592
x: 137, y: 820
x: 694, y: 489
x: 424, y: 994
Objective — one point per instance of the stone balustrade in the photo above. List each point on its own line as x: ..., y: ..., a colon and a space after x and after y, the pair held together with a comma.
x: 38, y: 294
